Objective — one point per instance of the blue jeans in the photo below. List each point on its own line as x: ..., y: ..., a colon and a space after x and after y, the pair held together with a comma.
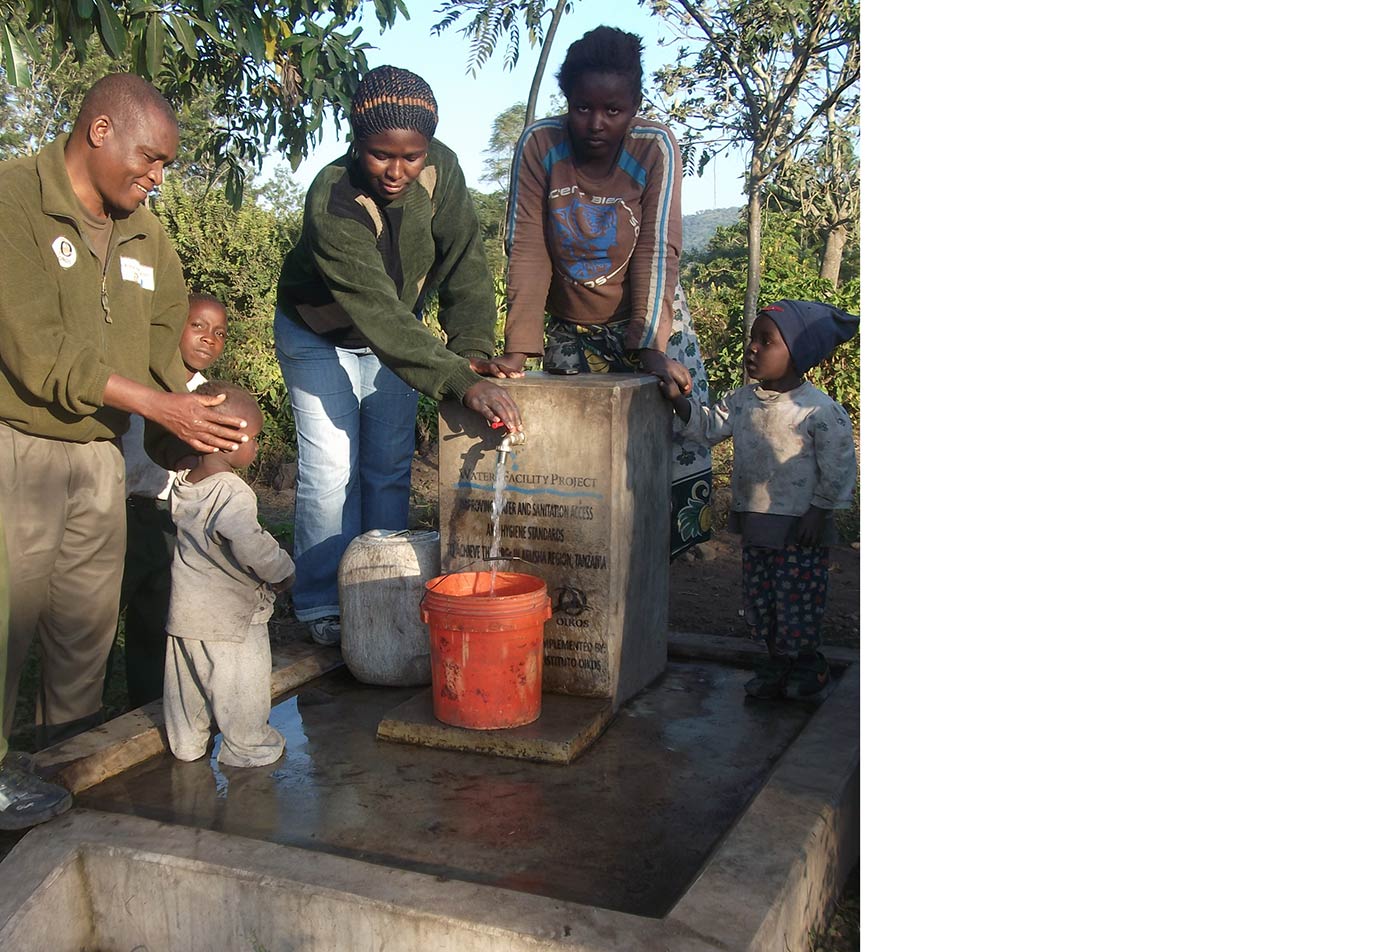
x: 355, y: 424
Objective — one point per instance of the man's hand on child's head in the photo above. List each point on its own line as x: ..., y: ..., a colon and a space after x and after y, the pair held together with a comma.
x: 200, y: 422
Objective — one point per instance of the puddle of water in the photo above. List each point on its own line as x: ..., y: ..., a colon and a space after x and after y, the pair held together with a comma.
x: 627, y: 826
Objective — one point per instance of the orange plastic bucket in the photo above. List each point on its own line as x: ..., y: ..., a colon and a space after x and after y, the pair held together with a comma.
x: 486, y: 650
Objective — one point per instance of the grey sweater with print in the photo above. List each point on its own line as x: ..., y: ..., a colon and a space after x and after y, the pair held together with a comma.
x: 224, y: 560
x: 792, y: 450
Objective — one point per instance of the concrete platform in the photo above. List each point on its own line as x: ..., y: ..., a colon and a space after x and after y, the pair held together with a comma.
x: 696, y: 821
x: 565, y: 728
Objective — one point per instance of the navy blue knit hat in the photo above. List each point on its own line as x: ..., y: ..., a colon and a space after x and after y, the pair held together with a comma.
x: 810, y: 330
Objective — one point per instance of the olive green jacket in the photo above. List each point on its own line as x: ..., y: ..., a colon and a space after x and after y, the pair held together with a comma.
x: 69, y: 321
x: 361, y: 272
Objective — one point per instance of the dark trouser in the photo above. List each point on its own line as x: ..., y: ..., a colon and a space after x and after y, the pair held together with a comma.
x: 785, y: 595
x: 150, y: 546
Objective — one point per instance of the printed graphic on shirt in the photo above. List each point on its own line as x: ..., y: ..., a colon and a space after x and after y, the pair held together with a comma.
x: 139, y: 274
x: 65, y: 252
x: 595, y: 236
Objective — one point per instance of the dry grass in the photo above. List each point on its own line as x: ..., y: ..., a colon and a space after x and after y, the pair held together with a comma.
x: 842, y: 932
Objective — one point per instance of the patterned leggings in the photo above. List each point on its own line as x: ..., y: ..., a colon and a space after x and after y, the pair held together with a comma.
x: 598, y: 348
x: 785, y: 595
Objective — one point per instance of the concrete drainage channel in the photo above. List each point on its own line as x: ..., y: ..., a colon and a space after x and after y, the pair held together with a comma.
x: 99, y: 879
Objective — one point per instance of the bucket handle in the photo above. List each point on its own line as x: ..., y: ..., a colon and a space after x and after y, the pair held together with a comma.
x: 423, y: 612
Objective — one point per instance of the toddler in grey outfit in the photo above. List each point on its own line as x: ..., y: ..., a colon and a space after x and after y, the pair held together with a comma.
x: 223, y: 582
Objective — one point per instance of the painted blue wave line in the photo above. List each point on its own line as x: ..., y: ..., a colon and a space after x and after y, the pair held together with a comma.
x: 491, y: 488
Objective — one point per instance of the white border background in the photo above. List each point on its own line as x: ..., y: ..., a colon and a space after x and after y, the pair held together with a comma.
x: 1130, y: 485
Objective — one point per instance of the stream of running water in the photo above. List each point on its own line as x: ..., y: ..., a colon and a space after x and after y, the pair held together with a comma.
x: 498, y: 503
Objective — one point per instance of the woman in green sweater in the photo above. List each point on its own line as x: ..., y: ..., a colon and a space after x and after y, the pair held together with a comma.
x: 384, y: 226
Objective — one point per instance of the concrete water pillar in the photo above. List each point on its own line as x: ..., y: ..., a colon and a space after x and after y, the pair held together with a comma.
x: 587, y: 506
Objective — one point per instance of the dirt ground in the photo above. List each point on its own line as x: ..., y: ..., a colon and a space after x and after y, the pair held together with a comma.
x: 706, y: 594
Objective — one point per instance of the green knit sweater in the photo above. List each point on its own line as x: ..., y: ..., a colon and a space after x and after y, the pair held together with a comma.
x: 362, y: 270
x: 68, y: 320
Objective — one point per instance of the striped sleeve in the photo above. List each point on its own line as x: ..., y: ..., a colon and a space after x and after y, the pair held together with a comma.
x: 656, y: 261
x: 528, y: 269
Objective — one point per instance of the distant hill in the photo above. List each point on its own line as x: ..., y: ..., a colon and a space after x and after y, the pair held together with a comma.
x: 697, y: 229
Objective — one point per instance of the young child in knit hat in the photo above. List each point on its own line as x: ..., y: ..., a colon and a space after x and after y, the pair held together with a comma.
x: 794, y: 465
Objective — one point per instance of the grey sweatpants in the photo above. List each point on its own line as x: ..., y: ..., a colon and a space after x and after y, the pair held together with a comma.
x: 228, y: 683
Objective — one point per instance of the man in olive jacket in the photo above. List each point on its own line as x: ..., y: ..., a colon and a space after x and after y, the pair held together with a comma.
x: 92, y: 302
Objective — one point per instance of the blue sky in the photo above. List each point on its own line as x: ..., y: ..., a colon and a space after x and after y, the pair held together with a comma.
x: 468, y: 105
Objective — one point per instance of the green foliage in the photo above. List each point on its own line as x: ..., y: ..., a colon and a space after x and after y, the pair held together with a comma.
x: 271, y: 69
x: 761, y: 74
x: 42, y: 106
x: 488, y: 21
x: 500, y: 148
x: 715, y: 292
x: 236, y: 255
x: 491, y: 214
x: 282, y: 195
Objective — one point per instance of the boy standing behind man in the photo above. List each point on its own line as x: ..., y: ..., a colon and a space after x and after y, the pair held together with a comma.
x: 224, y: 579
x: 150, y: 534
x: 794, y: 464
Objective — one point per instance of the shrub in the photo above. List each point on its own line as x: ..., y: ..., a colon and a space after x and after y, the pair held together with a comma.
x: 714, y: 285
x: 237, y: 256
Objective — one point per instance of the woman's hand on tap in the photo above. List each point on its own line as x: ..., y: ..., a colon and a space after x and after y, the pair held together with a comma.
x: 494, y: 405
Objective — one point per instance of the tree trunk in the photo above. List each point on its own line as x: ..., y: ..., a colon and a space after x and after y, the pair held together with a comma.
x: 755, y: 275
x: 540, y: 65
x: 831, y: 257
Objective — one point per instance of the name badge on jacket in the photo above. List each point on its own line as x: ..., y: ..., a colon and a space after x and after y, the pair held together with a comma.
x: 138, y: 273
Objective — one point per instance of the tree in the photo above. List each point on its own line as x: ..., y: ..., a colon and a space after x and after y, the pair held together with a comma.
x: 500, y: 150
x: 236, y: 255
x: 493, y: 19
x: 272, y: 68
x: 714, y: 283
x: 281, y: 194
x: 33, y: 113
x: 823, y: 184
x: 764, y: 74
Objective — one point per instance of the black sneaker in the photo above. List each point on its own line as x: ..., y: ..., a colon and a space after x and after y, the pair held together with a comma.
x: 19, y: 760
x: 26, y: 801
x: 325, y: 631
x: 768, y: 678
x: 809, y: 679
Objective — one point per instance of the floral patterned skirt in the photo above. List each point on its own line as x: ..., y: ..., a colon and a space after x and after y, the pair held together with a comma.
x: 597, y: 348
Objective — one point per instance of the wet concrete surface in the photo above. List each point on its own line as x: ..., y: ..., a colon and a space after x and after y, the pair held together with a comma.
x: 627, y: 826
